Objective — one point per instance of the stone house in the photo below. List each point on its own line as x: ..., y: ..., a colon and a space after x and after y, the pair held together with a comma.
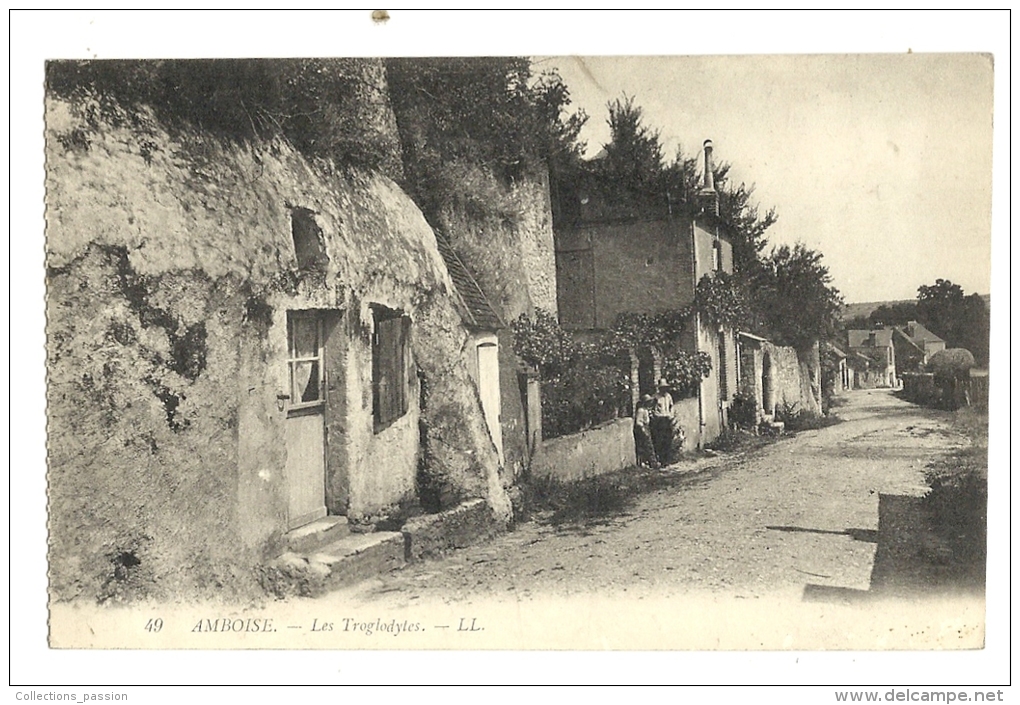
x: 611, y: 261
x: 914, y: 345
x: 873, y: 357
x: 246, y: 349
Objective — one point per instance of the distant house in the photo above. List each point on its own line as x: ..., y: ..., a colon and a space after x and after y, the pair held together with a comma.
x: 873, y: 357
x: 613, y: 259
x: 841, y: 374
x: 917, y: 342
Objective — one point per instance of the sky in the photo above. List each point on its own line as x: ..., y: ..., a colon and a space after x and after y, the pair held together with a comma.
x: 882, y: 162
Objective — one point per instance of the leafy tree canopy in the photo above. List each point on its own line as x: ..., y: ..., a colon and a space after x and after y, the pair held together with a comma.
x: 962, y: 321
x: 492, y: 112
x: 795, y: 297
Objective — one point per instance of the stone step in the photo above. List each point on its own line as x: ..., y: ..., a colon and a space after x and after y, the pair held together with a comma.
x: 360, y: 556
x: 326, y: 554
x: 312, y: 537
x: 347, y: 560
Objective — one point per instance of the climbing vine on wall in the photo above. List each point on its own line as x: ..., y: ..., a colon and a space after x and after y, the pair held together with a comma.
x: 719, y: 301
x: 682, y: 369
x: 584, y: 382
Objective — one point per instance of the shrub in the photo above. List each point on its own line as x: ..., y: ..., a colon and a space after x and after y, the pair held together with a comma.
x: 743, y: 410
x: 805, y: 419
x: 584, y: 383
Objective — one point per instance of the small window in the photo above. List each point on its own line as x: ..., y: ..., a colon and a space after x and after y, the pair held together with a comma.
x: 716, y: 256
x: 390, y: 366
x: 304, y: 357
x: 309, y: 245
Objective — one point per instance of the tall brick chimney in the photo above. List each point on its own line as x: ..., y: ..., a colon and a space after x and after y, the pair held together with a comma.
x: 708, y: 197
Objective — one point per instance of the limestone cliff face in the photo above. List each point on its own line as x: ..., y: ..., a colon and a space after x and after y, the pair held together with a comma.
x: 170, y: 266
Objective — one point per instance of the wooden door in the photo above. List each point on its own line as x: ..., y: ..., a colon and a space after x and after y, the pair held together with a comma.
x: 488, y: 390
x: 305, y: 424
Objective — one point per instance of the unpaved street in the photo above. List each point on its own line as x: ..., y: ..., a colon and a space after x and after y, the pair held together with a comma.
x: 794, y: 523
x: 800, y: 511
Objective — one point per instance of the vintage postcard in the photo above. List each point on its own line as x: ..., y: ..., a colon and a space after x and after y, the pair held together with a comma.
x: 519, y: 352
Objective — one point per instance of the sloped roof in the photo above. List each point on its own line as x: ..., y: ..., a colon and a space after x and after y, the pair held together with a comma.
x: 862, y: 338
x: 919, y: 346
x: 474, y: 308
x: 834, y: 349
x: 918, y: 334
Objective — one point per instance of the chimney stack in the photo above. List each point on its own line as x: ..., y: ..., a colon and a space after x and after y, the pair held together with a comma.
x: 709, y: 176
x: 708, y: 196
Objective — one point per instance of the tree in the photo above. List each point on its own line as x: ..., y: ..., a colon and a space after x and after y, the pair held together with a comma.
x: 794, y: 297
x: 896, y: 314
x: 747, y: 223
x: 939, y: 307
x: 961, y: 320
x: 491, y: 113
x: 633, y: 156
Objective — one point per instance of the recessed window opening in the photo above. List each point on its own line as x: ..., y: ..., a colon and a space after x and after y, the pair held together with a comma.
x: 309, y: 244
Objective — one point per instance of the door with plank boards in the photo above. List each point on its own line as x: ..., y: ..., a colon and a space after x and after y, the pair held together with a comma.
x: 305, y: 423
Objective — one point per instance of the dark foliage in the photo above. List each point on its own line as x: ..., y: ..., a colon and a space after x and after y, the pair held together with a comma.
x: 794, y: 299
x: 491, y: 113
x: 962, y: 321
x: 896, y: 314
x: 323, y: 106
x: 958, y: 498
x: 584, y: 383
x: 720, y: 301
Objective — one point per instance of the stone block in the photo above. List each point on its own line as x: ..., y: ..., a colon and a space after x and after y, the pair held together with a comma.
x: 434, y: 534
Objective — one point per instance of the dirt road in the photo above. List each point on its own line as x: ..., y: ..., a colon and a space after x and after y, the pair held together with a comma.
x: 794, y: 523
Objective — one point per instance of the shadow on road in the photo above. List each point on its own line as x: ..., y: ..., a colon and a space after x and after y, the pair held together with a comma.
x: 867, y: 535
x: 911, y: 559
x: 605, y: 499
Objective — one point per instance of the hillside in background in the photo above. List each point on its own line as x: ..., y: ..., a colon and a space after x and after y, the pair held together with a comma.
x: 863, y: 310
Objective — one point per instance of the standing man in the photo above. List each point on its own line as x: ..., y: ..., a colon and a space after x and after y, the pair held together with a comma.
x: 644, y: 449
x: 662, y: 423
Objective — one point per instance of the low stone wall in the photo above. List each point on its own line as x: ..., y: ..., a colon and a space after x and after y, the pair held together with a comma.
x: 597, y: 451
x: 432, y: 535
x: 794, y: 380
x: 688, y: 417
x: 920, y: 388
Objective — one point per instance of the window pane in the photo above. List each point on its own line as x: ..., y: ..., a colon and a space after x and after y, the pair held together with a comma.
x: 305, y: 337
x: 306, y: 382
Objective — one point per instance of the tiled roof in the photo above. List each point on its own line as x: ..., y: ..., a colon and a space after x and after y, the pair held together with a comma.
x: 474, y: 308
x: 862, y: 338
x: 903, y: 334
x: 920, y: 335
x: 834, y: 349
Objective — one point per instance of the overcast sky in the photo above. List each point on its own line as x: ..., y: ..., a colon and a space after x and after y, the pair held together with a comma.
x: 881, y: 162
